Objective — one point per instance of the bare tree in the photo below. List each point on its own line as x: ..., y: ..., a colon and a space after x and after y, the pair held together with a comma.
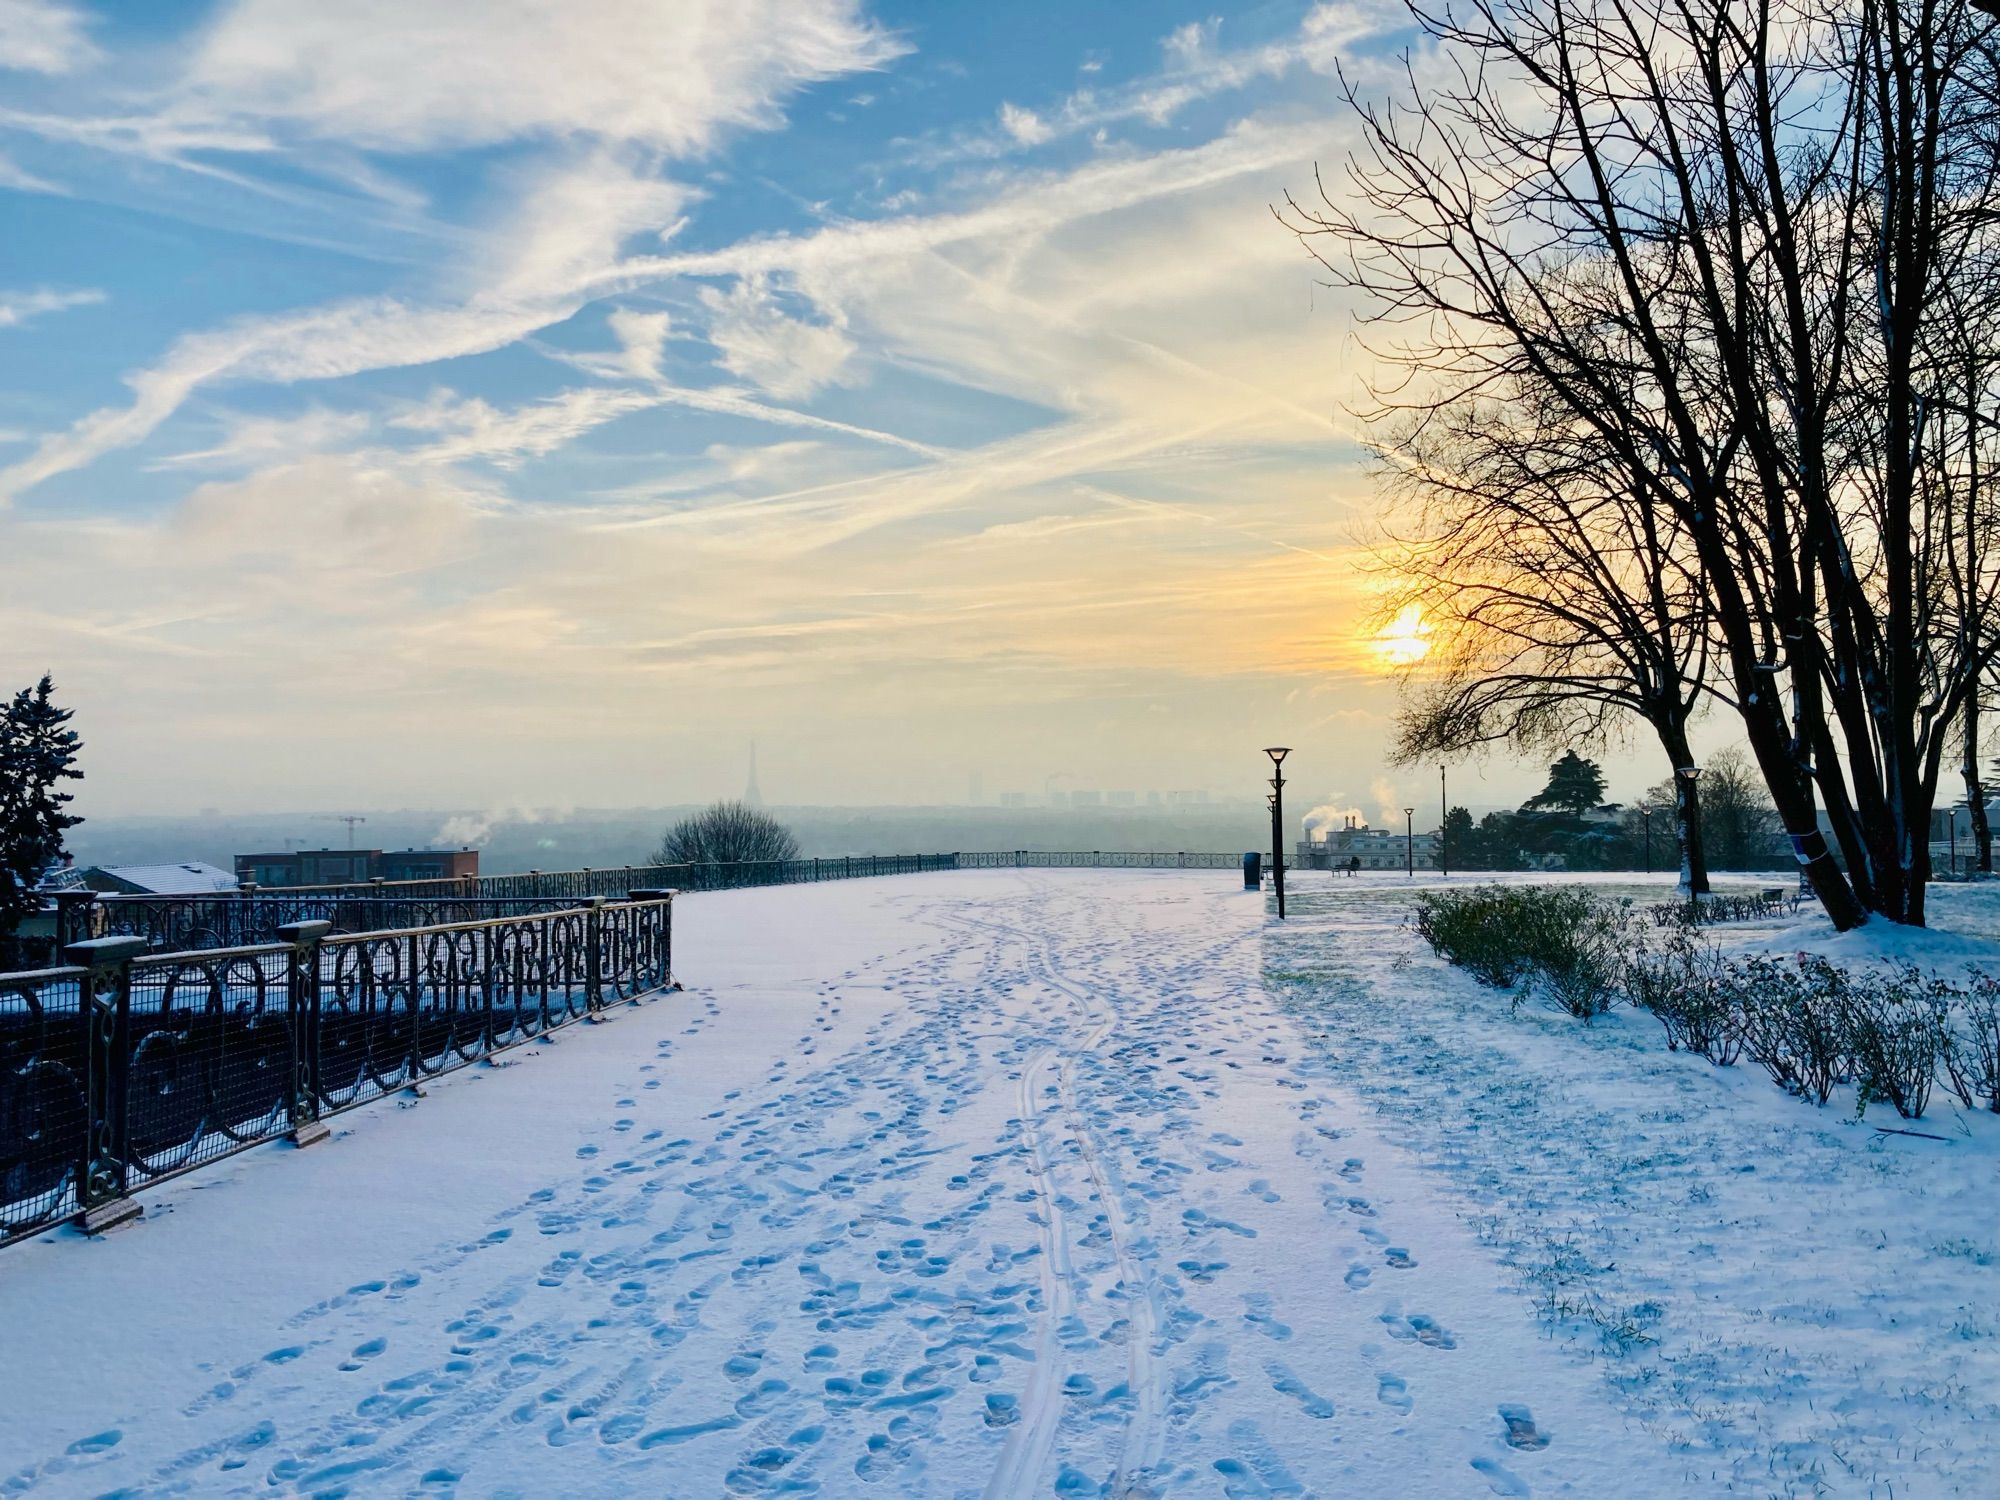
x: 727, y: 833
x: 1714, y: 234
x: 1561, y: 601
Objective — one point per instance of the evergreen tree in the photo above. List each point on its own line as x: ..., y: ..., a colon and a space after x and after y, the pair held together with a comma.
x: 37, y: 754
x: 1575, y: 786
x: 1461, y: 842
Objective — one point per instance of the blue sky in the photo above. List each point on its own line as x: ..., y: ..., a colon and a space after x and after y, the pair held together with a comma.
x: 421, y: 403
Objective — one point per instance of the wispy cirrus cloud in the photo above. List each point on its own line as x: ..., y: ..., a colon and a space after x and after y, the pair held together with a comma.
x: 44, y: 36
x: 391, y: 76
x: 17, y: 308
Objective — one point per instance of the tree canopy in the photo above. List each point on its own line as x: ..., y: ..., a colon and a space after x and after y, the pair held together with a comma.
x: 37, y: 755
x: 727, y: 833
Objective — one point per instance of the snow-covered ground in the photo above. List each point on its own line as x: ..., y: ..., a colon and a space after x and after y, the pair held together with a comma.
x: 1790, y: 1300
x: 1020, y: 1183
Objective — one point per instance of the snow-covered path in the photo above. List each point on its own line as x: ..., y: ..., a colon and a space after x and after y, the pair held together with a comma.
x: 976, y: 1184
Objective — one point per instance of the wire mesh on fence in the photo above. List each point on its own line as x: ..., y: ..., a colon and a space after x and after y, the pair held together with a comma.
x: 41, y: 1097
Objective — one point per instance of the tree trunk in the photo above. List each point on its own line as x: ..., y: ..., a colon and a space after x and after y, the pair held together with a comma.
x: 1687, y: 816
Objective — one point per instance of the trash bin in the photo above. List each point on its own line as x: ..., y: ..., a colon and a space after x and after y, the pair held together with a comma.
x: 1253, y: 872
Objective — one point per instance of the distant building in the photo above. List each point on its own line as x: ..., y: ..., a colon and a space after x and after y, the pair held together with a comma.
x: 355, y: 866
x: 1376, y: 848
x: 190, y: 879
x: 1124, y: 799
x: 1081, y: 798
x: 1013, y: 799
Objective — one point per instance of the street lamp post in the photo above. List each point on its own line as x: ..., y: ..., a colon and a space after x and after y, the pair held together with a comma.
x: 1278, y: 754
x: 1646, y: 821
x: 1952, y: 814
x: 1410, y: 842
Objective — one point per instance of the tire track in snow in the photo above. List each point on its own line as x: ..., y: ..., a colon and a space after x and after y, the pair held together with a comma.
x: 1033, y: 1437
x: 1145, y: 1428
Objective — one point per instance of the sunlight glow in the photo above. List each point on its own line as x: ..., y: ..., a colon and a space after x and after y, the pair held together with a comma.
x: 1405, y: 640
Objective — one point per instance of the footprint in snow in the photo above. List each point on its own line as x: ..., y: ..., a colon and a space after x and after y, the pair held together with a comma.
x: 1399, y: 1259
x: 1521, y: 1430
x: 1419, y: 1328
x: 1501, y: 1480
x: 1394, y: 1392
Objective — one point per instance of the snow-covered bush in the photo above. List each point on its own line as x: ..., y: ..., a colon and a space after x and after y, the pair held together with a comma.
x: 1793, y: 1019
x: 1565, y: 941
x: 1577, y: 950
x: 1682, y: 984
x: 1898, y: 1023
x: 1972, y: 1054
x: 1474, y: 930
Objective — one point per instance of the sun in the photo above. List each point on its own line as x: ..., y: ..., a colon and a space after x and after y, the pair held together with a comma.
x: 1405, y: 640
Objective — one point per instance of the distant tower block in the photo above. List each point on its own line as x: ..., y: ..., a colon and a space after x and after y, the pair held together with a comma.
x: 752, y: 797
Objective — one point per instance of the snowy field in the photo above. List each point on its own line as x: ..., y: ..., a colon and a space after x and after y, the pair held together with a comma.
x: 1028, y: 1183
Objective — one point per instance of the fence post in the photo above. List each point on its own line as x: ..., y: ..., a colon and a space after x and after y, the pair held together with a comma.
x: 593, y: 960
x: 413, y: 987
x: 302, y: 1096
x: 666, y: 919
x: 105, y: 1008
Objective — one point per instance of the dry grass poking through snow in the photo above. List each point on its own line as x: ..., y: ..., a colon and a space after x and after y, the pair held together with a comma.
x: 1797, y: 1303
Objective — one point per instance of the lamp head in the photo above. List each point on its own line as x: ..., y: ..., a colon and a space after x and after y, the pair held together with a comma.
x: 1693, y: 773
x: 1278, y: 753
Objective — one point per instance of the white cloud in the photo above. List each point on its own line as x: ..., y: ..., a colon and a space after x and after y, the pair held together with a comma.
x: 43, y: 36
x: 564, y: 233
x: 1024, y: 125
x: 250, y: 440
x: 470, y: 428
x: 642, y: 340
x: 394, y: 76
x: 568, y: 220
x: 337, y: 515
x: 1186, y: 45
x: 17, y: 308
x: 21, y: 180
x: 780, y: 354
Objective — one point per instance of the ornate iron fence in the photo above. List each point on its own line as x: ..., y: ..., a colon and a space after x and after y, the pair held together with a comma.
x: 123, y: 1066
x: 235, y: 918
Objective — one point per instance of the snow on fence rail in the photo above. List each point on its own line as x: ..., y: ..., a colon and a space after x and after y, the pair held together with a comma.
x: 123, y: 1067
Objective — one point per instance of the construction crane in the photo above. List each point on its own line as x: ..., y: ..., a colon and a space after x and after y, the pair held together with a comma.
x: 350, y: 819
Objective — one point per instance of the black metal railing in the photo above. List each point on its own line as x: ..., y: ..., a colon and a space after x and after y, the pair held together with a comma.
x: 1097, y: 859
x: 236, y: 918
x: 124, y: 1066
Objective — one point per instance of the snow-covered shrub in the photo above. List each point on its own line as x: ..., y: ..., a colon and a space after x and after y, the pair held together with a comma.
x: 1683, y: 986
x: 1565, y: 940
x: 1473, y: 929
x: 1793, y: 1019
x: 1972, y: 1053
x: 1898, y: 1023
x: 1576, y: 951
